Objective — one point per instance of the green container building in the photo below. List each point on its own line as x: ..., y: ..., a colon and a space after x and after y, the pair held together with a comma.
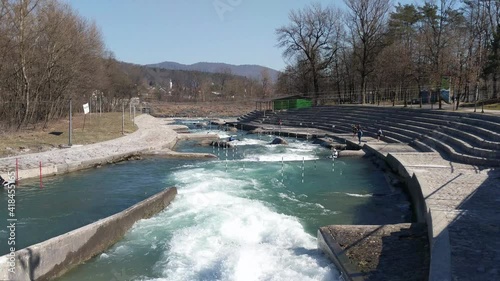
x: 291, y: 102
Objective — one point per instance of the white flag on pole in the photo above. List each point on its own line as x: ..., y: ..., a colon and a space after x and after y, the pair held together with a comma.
x: 86, y: 108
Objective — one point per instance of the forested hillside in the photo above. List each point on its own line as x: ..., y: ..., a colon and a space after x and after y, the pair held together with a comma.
x: 249, y: 71
x: 157, y: 84
x: 50, y: 56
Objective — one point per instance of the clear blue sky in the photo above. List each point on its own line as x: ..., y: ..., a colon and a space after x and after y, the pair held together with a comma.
x: 190, y: 31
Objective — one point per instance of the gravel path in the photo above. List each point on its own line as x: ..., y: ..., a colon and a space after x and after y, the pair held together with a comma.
x: 153, y: 134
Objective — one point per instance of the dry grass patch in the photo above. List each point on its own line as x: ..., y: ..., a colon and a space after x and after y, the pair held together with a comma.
x: 97, y: 129
x: 495, y: 106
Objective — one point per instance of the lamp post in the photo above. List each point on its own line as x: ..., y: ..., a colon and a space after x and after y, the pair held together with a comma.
x: 70, y: 123
x: 100, y: 105
x: 123, y: 118
x: 476, y: 96
x: 90, y: 105
x: 482, y: 105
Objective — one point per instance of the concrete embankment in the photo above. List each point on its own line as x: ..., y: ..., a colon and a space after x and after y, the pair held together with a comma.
x: 336, y: 240
x: 53, y: 257
x: 153, y: 135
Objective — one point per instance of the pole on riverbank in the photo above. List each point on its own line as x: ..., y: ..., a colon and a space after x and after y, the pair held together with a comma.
x: 17, y: 172
x: 70, y: 123
x: 90, y: 108
x: 41, y: 183
x: 123, y: 118
x: 84, y: 115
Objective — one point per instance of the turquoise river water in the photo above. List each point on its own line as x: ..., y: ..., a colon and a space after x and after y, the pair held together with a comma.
x: 251, y: 214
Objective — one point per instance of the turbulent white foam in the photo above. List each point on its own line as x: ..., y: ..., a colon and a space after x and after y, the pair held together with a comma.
x: 285, y: 196
x: 358, y: 195
x: 213, y: 230
x: 216, y: 233
x: 223, y: 135
x: 303, y: 146
x: 319, y: 206
x: 204, y: 132
x: 278, y: 157
x: 294, y: 151
x: 327, y: 212
x: 121, y: 249
x: 247, y: 141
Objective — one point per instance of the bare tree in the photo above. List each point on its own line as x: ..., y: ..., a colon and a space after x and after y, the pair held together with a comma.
x: 312, y: 38
x: 49, y: 55
x: 367, y: 20
x: 436, y: 31
x: 265, y: 80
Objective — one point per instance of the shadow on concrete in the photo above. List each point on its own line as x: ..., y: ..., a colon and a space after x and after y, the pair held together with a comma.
x: 397, y: 252
x: 443, y: 186
x: 404, y: 255
x: 475, y: 233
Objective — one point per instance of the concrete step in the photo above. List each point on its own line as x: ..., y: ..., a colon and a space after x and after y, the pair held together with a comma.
x: 465, y: 147
x: 411, y: 132
x: 423, y: 130
x: 448, y: 152
x: 472, y: 138
x: 443, y: 125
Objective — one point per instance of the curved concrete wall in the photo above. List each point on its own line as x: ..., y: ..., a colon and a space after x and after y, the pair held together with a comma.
x: 440, y: 253
x: 437, y: 231
x: 412, y: 186
x: 53, y: 257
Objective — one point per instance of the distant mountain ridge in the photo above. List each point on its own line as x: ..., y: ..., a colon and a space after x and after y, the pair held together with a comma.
x: 247, y: 70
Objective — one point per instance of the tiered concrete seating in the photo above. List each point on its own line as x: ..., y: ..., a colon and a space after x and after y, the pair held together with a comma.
x: 461, y: 137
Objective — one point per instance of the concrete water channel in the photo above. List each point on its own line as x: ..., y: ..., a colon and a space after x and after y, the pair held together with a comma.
x: 252, y: 211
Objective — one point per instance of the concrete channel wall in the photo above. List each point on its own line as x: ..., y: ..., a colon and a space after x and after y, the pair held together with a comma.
x: 438, y: 236
x: 51, y: 169
x: 440, y: 252
x: 58, y: 169
x: 53, y: 257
